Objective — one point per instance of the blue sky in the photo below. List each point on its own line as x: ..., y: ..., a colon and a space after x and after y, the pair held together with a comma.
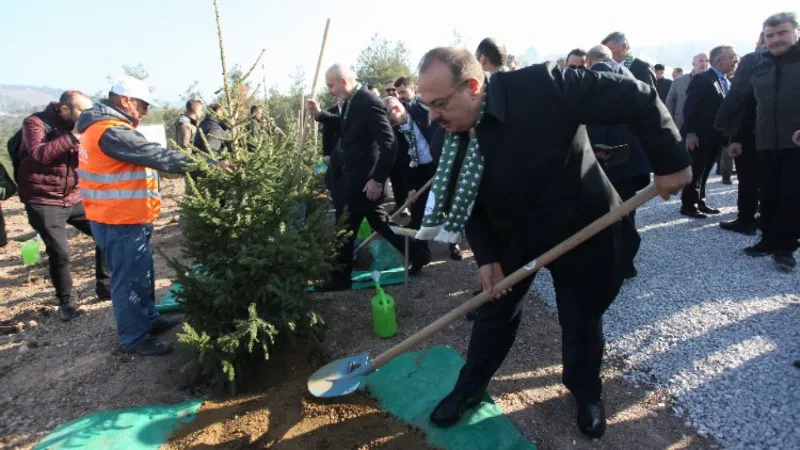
x: 76, y: 44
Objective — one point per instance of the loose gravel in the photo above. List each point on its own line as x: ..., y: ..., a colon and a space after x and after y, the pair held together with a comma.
x: 715, y: 329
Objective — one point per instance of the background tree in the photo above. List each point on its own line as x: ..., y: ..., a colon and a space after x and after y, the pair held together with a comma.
x: 382, y: 61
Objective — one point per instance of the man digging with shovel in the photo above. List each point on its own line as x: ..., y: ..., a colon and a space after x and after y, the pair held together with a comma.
x: 518, y: 174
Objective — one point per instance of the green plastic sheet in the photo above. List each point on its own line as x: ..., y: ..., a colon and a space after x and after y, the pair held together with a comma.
x: 411, y: 385
x: 142, y: 428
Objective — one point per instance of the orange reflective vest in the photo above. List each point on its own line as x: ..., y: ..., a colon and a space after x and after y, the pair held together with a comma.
x: 115, y: 192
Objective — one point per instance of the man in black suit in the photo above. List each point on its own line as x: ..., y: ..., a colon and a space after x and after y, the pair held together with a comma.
x: 618, y: 44
x: 538, y: 182
x: 662, y: 84
x: 416, y: 159
x: 703, y: 99
x: 367, y: 156
x: 729, y: 118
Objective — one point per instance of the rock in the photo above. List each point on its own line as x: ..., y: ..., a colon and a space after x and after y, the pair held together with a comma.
x: 32, y: 324
x: 23, y: 349
x: 654, y: 414
x: 19, y: 326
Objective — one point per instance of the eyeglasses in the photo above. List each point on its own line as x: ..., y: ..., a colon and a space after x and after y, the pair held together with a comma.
x: 440, y: 105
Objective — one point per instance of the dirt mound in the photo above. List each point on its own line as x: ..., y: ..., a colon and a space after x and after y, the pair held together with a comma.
x: 286, y: 416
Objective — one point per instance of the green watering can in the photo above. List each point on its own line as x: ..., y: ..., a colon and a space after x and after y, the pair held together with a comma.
x: 384, y: 320
x: 30, y: 251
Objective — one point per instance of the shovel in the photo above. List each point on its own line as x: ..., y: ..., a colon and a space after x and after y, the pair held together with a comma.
x: 343, y: 376
x: 394, y: 216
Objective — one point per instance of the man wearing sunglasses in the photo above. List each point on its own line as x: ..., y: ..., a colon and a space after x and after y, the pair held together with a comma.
x: 518, y: 174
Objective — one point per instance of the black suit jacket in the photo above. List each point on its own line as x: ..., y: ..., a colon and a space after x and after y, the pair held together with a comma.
x: 703, y: 98
x: 429, y: 129
x: 541, y: 181
x: 643, y: 72
x: 331, y: 129
x: 662, y: 86
x: 368, y: 149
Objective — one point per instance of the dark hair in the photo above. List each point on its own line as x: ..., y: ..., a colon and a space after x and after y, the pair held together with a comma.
x: 577, y: 52
x: 494, y: 51
x: 781, y: 18
x: 192, y: 104
x: 254, y: 109
x: 370, y: 87
x: 68, y: 97
x: 404, y: 81
x: 659, y: 67
x: 461, y: 62
x: 678, y: 69
x: 214, y: 107
x: 616, y: 36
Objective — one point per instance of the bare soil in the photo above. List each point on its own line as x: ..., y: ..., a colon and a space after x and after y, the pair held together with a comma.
x: 51, y: 372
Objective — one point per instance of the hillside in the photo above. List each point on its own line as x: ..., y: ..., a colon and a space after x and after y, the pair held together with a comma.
x: 20, y: 98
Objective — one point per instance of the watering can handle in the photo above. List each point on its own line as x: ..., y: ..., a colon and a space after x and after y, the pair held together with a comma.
x: 523, y: 272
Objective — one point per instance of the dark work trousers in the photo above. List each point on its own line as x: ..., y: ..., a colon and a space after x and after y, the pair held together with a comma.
x: 747, y: 174
x: 417, y: 177
x: 359, y: 207
x: 3, y: 234
x: 51, y: 224
x: 703, y: 159
x: 586, y: 281
x: 780, y: 197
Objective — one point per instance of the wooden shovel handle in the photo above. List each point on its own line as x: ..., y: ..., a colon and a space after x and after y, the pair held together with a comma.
x: 396, y: 214
x: 529, y: 269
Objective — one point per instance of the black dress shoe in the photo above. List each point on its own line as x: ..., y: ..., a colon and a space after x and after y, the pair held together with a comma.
x: 738, y: 226
x: 450, y: 410
x: 162, y: 325
x: 592, y: 420
x: 103, y: 292
x: 762, y: 248
x: 694, y: 213
x: 416, y: 267
x: 784, y: 260
x: 455, y: 253
x: 727, y: 180
x: 703, y: 208
x: 333, y: 286
x: 630, y: 273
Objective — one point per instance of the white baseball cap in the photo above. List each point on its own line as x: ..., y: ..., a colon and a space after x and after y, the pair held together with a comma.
x: 133, y: 87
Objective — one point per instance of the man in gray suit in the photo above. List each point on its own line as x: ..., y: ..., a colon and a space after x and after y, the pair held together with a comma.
x: 676, y: 96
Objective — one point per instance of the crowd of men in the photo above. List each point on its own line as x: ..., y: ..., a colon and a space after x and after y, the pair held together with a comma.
x: 518, y: 159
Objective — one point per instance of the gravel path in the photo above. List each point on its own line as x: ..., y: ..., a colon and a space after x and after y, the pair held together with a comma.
x: 714, y: 328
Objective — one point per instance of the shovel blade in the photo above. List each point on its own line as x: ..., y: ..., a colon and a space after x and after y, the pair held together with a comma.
x: 340, y: 377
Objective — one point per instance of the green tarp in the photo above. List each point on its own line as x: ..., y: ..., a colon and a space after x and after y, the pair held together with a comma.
x: 142, y: 428
x: 412, y: 384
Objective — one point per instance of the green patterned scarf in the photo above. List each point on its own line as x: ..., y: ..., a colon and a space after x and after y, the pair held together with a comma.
x: 629, y: 58
x: 447, y: 225
x: 408, y: 131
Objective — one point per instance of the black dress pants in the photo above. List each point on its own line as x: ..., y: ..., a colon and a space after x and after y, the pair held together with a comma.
x: 703, y: 159
x: 780, y: 197
x: 418, y: 176
x: 359, y: 207
x: 747, y: 173
x: 51, y: 224
x: 585, y: 283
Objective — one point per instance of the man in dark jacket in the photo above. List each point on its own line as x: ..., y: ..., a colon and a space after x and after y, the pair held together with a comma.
x: 215, y: 131
x: 773, y: 103
x: 533, y: 183
x: 632, y: 175
x: 729, y: 118
x: 48, y: 186
x: 618, y: 44
x: 662, y: 84
x: 368, y: 154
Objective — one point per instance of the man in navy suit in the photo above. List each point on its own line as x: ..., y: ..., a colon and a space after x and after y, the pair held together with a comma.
x: 703, y: 98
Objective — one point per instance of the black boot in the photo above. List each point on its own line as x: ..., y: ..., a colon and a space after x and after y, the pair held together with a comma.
x: 763, y: 247
x: 592, y: 419
x: 450, y: 410
x: 149, y: 347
